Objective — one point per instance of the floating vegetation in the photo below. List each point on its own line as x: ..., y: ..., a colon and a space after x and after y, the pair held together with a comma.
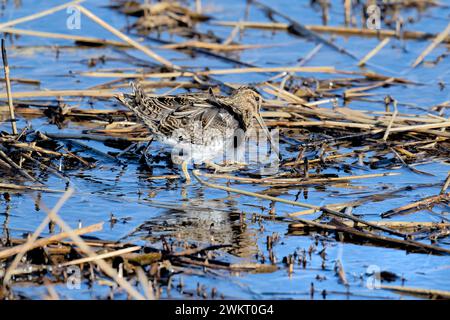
x: 162, y: 16
x: 363, y: 141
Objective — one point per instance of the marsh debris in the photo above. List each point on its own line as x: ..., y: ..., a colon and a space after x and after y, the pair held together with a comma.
x: 348, y: 136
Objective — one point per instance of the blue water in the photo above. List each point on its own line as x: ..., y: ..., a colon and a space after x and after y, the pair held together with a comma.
x: 202, y: 215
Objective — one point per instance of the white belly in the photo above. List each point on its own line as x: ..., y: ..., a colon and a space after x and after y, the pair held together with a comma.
x: 197, y: 153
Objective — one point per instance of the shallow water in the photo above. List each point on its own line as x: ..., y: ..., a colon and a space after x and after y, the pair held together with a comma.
x: 201, y: 215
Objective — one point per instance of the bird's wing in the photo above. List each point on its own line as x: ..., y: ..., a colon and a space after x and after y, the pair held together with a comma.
x: 164, y: 114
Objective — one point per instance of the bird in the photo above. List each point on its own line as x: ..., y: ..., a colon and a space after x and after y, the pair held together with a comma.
x: 199, y: 126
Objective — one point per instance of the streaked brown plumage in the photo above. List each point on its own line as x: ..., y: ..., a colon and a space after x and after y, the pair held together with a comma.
x: 211, y: 115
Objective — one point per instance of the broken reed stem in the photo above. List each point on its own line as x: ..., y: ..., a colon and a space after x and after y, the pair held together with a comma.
x: 354, y: 91
x: 196, y: 174
x: 348, y: 11
x: 126, y: 38
x: 436, y: 41
x: 325, y: 69
x: 101, y: 256
x: 232, y: 35
x: 391, y: 122
x: 105, y: 267
x: 52, y: 35
x: 62, y: 93
x: 419, y: 128
x: 145, y: 283
x: 198, y: 6
x: 417, y: 205
x: 14, y: 165
x: 39, y: 14
x: 409, y: 245
x: 8, y: 88
x: 46, y: 167
x: 434, y: 294
x: 374, y: 51
x: 45, y: 241
x: 29, y: 243
x: 446, y: 184
x: 324, y: 209
x: 165, y: 177
x: 341, y: 272
x: 52, y: 294
x: 357, y: 220
x: 299, y: 29
x: 400, y: 225
x: 215, y: 46
x: 344, y: 31
x: 11, y: 186
x: 297, y: 181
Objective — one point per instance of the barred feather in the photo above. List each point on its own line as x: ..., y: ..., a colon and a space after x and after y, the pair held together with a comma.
x: 165, y: 114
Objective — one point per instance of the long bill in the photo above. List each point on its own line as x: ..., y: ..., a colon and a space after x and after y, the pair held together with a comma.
x: 269, y: 136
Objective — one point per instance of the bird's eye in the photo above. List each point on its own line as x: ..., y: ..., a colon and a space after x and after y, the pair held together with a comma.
x: 257, y: 99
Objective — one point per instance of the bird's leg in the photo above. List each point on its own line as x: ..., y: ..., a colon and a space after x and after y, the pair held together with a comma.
x: 184, y: 168
x: 148, y: 145
x: 143, y: 157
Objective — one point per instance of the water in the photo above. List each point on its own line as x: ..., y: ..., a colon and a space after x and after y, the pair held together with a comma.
x: 201, y: 215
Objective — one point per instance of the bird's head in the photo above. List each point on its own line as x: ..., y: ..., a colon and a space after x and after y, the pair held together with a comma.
x: 248, y: 102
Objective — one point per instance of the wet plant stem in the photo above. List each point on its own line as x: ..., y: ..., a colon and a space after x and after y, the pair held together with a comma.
x: 8, y: 88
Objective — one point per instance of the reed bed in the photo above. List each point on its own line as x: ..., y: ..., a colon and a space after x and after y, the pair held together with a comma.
x: 326, y: 142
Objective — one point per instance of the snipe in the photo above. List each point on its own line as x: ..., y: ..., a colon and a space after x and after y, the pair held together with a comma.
x: 202, y: 125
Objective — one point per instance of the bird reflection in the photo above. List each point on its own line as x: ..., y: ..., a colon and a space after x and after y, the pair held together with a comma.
x: 203, y: 221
